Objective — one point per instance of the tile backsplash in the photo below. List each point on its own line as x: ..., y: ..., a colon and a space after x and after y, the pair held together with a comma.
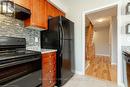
x: 15, y: 28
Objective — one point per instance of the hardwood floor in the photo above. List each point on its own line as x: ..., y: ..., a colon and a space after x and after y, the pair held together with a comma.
x: 101, y: 68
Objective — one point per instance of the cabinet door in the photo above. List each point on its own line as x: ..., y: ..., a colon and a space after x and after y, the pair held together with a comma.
x: 50, y: 10
x: 24, y: 3
x: 34, y: 13
x: 49, y: 69
x: 42, y: 14
x: 56, y: 12
x: 38, y: 14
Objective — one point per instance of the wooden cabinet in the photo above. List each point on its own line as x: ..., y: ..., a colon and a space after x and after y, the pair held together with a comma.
x: 58, y: 12
x: 41, y: 10
x: 49, y: 69
x: 50, y: 10
x: 24, y: 3
x: 61, y: 13
x: 38, y: 14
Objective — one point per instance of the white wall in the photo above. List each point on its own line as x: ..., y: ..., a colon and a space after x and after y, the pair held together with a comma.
x: 113, y: 40
x: 125, y: 20
x: 76, y: 8
x: 59, y: 4
x: 101, y: 40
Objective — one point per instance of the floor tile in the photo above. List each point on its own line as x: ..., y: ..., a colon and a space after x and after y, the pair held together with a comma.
x: 86, y: 81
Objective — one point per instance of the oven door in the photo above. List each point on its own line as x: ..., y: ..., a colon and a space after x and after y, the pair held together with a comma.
x: 30, y: 80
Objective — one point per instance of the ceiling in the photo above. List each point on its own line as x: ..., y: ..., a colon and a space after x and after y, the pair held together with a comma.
x: 101, y: 18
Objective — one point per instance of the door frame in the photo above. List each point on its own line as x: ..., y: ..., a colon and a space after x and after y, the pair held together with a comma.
x: 119, y: 53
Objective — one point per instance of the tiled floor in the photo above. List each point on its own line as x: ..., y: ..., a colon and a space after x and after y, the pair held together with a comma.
x: 86, y: 81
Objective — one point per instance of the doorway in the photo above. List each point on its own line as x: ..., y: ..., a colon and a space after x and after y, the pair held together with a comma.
x: 100, y: 44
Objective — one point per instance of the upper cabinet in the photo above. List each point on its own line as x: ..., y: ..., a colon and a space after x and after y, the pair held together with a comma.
x: 41, y: 10
x: 24, y: 3
x: 52, y: 11
x: 38, y: 17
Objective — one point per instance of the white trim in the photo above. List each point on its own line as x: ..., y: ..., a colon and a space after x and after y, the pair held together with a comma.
x: 79, y: 73
x: 119, y: 77
x: 100, y: 8
x: 83, y: 42
x: 113, y: 63
x: 103, y: 55
x: 119, y: 51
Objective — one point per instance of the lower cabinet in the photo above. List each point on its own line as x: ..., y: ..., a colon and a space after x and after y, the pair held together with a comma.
x: 48, y: 69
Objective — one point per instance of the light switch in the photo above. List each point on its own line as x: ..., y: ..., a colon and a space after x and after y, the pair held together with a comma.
x: 36, y: 39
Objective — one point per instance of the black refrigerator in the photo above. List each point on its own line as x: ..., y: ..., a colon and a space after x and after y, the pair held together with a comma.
x: 60, y: 36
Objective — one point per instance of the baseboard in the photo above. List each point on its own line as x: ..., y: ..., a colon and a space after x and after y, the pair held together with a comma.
x: 78, y: 72
x: 102, y: 55
x: 113, y: 63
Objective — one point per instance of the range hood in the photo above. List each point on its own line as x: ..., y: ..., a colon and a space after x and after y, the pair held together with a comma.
x: 12, y: 9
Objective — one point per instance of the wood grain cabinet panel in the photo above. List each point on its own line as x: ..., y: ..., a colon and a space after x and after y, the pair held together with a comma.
x: 53, y: 11
x: 41, y: 10
x: 24, y: 3
x: 49, y: 69
x: 50, y: 10
x: 38, y: 14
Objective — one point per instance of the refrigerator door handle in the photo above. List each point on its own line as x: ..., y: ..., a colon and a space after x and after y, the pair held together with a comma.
x: 62, y: 30
x: 62, y: 45
x: 61, y: 39
x: 61, y: 36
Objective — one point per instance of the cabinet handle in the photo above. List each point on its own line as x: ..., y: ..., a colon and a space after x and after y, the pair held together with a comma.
x: 50, y: 71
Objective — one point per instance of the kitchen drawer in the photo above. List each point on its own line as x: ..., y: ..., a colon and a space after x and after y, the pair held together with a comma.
x: 48, y: 54
x: 49, y: 58
x: 49, y: 79
x: 48, y: 83
x: 48, y: 68
x: 49, y: 76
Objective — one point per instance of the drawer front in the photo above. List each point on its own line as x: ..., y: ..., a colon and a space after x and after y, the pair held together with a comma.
x: 49, y: 79
x: 49, y: 69
x: 49, y: 58
x: 49, y: 54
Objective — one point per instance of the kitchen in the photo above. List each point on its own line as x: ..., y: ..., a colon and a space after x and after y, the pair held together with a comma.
x: 29, y: 23
x: 25, y: 56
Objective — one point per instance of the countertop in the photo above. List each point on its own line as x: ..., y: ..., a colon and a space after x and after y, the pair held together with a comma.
x: 47, y: 50
x: 35, y: 48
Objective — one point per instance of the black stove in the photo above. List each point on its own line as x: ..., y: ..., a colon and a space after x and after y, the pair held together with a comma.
x: 15, y: 60
x: 13, y: 51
